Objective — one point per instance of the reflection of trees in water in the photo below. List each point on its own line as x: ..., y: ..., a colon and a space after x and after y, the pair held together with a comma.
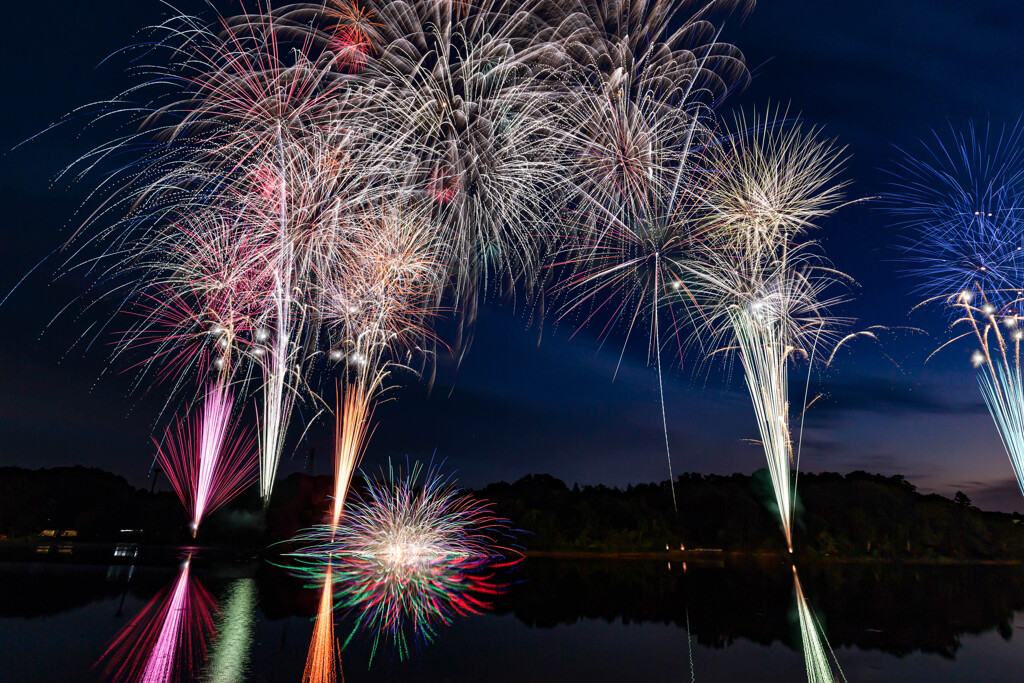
x: 39, y: 590
x: 893, y: 608
x: 897, y: 609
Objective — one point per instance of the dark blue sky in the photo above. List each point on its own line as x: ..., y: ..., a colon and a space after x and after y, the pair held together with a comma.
x: 873, y: 72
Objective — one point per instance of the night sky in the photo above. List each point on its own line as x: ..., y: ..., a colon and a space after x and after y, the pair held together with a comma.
x: 874, y: 73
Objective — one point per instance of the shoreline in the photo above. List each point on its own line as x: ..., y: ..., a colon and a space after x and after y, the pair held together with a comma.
x: 706, y: 557
x: 102, y: 552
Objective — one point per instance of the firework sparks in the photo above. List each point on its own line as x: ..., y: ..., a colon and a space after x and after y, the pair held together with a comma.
x: 205, y: 461
x: 764, y: 292
x: 405, y: 558
x: 167, y: 640
x: 959, y: 200
x: 323, y: 662
x: 997, y: 331
x: 818, y: 654
x: 350, y: 436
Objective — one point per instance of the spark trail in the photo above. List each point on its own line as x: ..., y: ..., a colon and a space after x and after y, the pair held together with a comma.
x: 205, y: 460
x: 958, y: 200
x: 818, y: 654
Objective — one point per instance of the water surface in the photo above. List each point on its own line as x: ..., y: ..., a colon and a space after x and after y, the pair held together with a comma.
x: 554, y: 621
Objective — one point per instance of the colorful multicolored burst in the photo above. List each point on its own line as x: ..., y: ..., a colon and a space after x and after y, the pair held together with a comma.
x: 206, y: 462
x: 307, y: 184
x: 406, y: 558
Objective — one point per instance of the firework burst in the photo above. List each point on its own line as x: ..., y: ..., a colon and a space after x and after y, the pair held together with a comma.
x: 406, y: 558
x: 959, y: 203
x: 206, y: 462
x: 764, y: 290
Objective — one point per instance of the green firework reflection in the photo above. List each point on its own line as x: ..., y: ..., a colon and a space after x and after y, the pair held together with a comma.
x: 229, y: 660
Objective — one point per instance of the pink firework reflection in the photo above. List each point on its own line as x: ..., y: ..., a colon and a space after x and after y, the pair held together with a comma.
x: 167, y: 640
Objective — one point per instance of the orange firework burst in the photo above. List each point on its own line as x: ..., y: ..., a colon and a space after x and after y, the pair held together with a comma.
x: 355, y: 34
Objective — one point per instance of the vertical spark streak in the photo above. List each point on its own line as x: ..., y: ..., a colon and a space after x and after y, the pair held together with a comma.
x: 351, y: 430
x: 277, y: 401
x: 212, y: 433
x: 763, y: 355
x: 1004, y: 396
x: 661, y: 387
x: 320, y: 662
x: 160, y: 666
x: 816, y: 658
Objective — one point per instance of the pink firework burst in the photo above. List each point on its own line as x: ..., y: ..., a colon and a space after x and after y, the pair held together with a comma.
x: 206, y: 462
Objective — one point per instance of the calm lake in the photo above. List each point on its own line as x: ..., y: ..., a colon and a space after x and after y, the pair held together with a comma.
x: 550, y: 620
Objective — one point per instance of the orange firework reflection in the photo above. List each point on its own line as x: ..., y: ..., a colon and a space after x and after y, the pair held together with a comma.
x: 323, y: 663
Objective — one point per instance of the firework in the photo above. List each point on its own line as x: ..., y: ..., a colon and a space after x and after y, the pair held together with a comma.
x: 310, y: 183
x: 1004, y: 396
x: 377, y: 302
x: 997, y: 332
x: 167, y: 640
x: 818, y: 659
x: 466, y: 96
x: 248, y: 195
x: 350, y: 435
x: 763, y: 289
x: 405, y: 558
x: 638, y: 122
x: 634, y: 266
x: 203, y: 458
x: 404, y: 593
x: 959, y: 200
